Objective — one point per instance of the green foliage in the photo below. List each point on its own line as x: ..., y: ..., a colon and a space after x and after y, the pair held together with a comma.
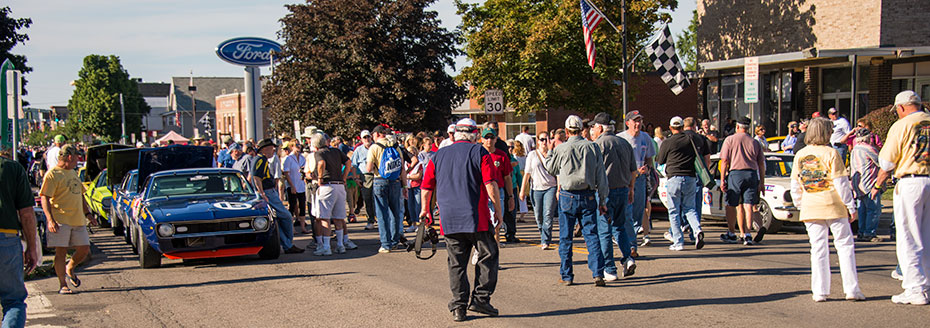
x: 686, y: 44
x: 94, y: 105
x: 534, y: 51
x: 883, y: 118
x: 39, y: 137
x: 350, y: 64
x: 10, y: 37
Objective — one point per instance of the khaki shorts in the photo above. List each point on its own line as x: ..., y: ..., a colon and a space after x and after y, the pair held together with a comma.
x: 331, y: 201
x: 68, y: 236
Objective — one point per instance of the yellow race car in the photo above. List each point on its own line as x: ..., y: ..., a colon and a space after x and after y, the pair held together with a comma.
x: 97, y: 189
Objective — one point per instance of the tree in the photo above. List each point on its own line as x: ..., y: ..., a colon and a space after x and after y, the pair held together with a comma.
x: 347, y: 65
x: 94, y: 105
x: 10, y: 37
x: 534, y: 51
x: 686, y: 46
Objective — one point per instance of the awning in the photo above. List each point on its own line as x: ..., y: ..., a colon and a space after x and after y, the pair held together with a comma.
x: 815, y: 55
x: 173, y: 136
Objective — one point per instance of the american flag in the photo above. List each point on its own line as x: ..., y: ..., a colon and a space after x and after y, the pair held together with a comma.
x: 590, y: 17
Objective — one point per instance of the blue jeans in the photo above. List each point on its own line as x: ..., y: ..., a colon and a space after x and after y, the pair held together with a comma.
x: 389, y: 211
x: 843, y: 149
x: 12, y: 287
x: 869, y: 211
x: 698, y: 204
x: 500, y: 193
x: 413, y: 204
x: 613, y: 225
x: 636, y: 210
x: 282, y: 218
x: 581, y: 207
x: 544, y: 208
x: 681, y: 195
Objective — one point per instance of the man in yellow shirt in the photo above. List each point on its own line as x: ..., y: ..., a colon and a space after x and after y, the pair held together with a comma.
x: 67, y: 215
x: 907, y: 153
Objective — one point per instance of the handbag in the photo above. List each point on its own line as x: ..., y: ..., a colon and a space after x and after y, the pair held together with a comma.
x: 700, y: 168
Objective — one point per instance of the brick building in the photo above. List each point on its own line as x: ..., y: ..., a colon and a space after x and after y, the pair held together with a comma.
x: 813, y: 55
x: 230, y: 116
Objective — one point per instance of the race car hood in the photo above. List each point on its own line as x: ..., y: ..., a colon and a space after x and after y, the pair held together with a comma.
x: 207, y: 208
x: 97, y: 159
x: 780, y: 181
x: 120, y: 162
x: 174, y: 157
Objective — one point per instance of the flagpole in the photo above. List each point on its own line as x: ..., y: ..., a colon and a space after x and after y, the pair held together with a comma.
x: 605, y: 16
x: 624, y: 62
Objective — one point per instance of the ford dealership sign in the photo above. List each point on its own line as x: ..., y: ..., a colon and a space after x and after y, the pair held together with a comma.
x: 247, y: 51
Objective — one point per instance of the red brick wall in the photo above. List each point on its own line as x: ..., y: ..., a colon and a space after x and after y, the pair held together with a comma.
x: 656, y: 102
x: 811, y: 91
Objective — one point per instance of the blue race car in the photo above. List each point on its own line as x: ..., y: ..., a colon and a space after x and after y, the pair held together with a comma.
x: 122, y: 169
x: 197, y: 212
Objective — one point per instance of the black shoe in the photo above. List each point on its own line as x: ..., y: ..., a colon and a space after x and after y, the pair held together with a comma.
x: 700, y: 240
x: 294, y: 250
x: 482, y: 307
x: 513, y: 240
x: 759, y: 235
x: 599, y: 282
x: 458, y: 315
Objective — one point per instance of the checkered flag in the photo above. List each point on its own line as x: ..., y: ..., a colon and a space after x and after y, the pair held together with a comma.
x: 662, y: 54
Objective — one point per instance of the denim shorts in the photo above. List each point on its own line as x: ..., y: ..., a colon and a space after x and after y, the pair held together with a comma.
x: 742, y: 187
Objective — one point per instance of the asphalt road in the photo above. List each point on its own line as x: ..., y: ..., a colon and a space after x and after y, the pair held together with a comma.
x: 721, y: 285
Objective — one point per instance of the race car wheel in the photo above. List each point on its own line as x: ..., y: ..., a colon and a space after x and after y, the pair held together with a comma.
x: 272, y: 248
x: 148, y: 256
x: 118, y: 229
x: 771, y: 224
x: 104, y: 223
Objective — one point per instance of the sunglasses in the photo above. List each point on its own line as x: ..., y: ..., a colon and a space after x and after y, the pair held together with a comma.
x: 489, y: 137
x: 543, y: 139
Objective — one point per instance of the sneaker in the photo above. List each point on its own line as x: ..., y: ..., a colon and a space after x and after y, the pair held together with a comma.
x: 311, y: 245
x: 352, y: 219
x: 639, y: 231
x: 676, y: 248
x: 646, y: 242
x: 856, y: 296
x: 700, y: 240
x: 728, y: 238
x: 383, y: 250
x: 633, y: 253
x: 609, y: 277
x: 369, y: 226
x: 544, y: 247
x: 910, y: 297
x: 323, y: 252
x: 668, y: 236
x: 759, y: 235
x: 819, y: 298
x: 615, y: 242
x: 876, y: 239
x: 340, y: 249
x: 599, y: 282
x: 349, y: 244
x: 565, y: 282
x: 746, y: 241
x: 629, y: 268
x: 412, y: 228
x: 896, y: 275
x: 474, y: 257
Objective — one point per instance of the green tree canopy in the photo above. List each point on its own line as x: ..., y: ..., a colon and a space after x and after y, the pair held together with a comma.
x: 347, y: 65
x: 94, y: 105
x: 10, y: 37
x: 534, y: 51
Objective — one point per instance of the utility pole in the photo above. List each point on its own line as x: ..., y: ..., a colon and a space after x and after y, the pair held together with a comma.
x: 192, y: 90
x: 122, y: 113
x: 625, y: 66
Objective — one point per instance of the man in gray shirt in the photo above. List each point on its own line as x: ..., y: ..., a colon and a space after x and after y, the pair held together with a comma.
x: 643, y: 152
x: 579, y: 166
x: 618, y: 160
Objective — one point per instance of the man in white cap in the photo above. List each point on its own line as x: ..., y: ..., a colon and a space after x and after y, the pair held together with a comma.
x: 579, y: 166
x: 840, y: 130
x: 678, y: 154
x: 906, y: 153
x: 366, y: 180
x: 451, y: 139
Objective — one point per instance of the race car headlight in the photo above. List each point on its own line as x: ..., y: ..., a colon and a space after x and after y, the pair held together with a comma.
x: 166, y: 230
x: 260, y: 223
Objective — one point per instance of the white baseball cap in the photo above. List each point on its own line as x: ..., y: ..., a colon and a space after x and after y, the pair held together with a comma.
x: 906, y: 97
x: 573, y: 122
x: 364, y: 133
x: 451, y: 128
x: 676, y: 122
x: 466, y: 125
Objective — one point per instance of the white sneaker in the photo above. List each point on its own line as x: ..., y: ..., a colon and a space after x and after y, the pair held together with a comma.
x: 383, y: 250
x: 911, y: 297
x: 668, y: 236
x: 544, y: 247
x: 323, y: 252
x: 646, y: 241
x: 639, y: 231
x: 676, y: 248
x: 369, y: 226
x: 609, y: 277
x: 855, y: 296
x: 896, y: 275
x: 819, y: 298
x: 349, y: 244
x: 629, y: 268
x: 474, y: 258
x: 340, y: 249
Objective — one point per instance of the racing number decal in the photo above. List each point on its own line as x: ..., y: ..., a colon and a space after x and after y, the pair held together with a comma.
x: 231, y: 206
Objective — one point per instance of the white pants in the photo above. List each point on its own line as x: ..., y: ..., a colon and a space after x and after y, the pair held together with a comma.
x: 818, y: 232
x: 912, y: 223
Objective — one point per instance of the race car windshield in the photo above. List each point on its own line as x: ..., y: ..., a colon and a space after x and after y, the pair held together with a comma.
x: 199, y: 184
x: 778, y: 166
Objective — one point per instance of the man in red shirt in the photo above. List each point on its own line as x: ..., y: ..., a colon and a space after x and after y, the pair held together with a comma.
x: 460, y: 176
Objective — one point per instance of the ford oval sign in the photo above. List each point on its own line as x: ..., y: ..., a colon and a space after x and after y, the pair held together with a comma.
x: 247, y: 51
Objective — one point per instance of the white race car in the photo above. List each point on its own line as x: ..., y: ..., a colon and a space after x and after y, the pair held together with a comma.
x: 775, y: 206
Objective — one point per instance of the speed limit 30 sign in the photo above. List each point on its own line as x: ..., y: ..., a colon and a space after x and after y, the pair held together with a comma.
x: 494, y: 101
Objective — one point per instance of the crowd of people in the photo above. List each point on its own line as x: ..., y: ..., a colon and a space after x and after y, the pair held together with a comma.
x: 593, y: 181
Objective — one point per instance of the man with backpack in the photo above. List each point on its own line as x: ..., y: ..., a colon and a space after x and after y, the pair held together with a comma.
x: 386, y: 163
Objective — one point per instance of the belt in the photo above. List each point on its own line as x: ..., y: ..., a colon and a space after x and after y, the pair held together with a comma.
x: 915, y: 176
x: 9, y: 231
x: 839, y: 144
x: 332, y: 183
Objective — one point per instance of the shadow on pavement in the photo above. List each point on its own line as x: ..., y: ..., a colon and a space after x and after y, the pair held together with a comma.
x: 217, y: 282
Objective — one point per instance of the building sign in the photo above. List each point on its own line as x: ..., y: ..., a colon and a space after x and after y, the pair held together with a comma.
x: 751, y: 76
x: 494, y: 102
x: 247, y: 51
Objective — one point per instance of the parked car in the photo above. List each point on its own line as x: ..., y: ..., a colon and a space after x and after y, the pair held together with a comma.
x: 775, y: 206
x: 775, y: 144
x: 122, y: 166
x: 187, y: 210
x: 98, y: 190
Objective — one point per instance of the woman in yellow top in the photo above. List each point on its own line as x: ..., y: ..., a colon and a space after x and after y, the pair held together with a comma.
x: 820, y: 187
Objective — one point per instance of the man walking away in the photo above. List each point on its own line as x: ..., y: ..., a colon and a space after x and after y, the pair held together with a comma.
x: 67, y: 216
x: 51, y: 154
x: 16, y: 216
x: 385, y: 162
x: 742, y: 171
x: 366, y: 180
x: 907, y: 153
x: 702, y: 144
x: 618, y: 161
x: 459, y: 175
x: 578, y: 165
x: 265, y: 181
x: 677, y: 153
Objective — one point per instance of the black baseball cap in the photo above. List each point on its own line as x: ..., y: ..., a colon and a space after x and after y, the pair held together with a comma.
x: 602, y: 118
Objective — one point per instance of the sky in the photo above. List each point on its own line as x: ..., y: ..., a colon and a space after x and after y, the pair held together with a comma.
x: 158, y: 39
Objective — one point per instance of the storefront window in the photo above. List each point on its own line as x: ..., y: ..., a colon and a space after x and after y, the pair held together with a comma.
x: 835, y: 79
